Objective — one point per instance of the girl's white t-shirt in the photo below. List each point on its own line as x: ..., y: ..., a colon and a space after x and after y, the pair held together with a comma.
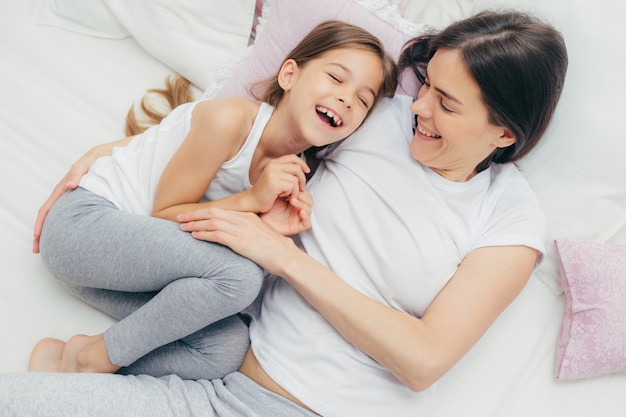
x: 129, y: 177
x: 396, y: 231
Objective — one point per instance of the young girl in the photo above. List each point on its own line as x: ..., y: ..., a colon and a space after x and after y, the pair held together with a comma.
x: 231, y: 153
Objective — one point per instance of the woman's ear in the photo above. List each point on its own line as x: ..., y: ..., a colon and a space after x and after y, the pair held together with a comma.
x: 506, y: 139
x: 286, y: 74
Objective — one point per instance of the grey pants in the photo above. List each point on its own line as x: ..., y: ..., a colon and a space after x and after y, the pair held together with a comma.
x: 176, y: 297
x: 106, y: 395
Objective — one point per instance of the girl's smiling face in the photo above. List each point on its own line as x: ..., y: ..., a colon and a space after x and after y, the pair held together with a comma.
x: 453, y: 133
x: 330, y: 95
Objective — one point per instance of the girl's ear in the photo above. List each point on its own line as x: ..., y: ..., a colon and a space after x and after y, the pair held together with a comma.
x: 287, y: 73
x: 507, y: 138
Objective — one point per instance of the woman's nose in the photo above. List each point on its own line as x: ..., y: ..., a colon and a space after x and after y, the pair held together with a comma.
x: 421, y: 107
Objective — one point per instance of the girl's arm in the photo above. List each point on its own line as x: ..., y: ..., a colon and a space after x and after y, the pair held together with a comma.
x: 71, y: 180
x: 290, y: 217
x: 417, y: 350
x: 219, y: 129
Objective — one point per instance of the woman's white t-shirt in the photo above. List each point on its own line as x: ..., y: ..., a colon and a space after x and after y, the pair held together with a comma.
x: 396, y: 231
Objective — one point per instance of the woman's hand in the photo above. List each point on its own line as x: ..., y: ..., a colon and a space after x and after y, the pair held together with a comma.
x: 70, y: 181
x: 282, y: 178
x: 292, y: 216
x: 245, y: 233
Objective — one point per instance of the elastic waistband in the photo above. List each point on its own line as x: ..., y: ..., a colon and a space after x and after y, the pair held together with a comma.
x: 264, y: 402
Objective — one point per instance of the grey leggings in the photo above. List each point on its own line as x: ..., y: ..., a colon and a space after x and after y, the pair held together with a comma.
x: 105, y: 395
x: 176, y: 297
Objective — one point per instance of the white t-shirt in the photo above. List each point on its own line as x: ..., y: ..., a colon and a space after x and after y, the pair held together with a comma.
x: 396, y: 231
x: 129, y: 177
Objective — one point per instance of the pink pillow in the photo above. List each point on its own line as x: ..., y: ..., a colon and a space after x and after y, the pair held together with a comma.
x: 290, y: 20
x: 592, y: 341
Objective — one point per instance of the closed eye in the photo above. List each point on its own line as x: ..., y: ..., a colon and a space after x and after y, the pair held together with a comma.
x: 334, y: 77
x: 364, y: 101
x: 443, y: 106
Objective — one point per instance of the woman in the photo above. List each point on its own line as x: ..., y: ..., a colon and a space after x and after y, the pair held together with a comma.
x: 396, y: 279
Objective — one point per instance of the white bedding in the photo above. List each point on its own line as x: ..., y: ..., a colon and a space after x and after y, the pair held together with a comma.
x: 63, y: 92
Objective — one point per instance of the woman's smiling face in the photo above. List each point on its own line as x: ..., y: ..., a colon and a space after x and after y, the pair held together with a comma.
x: 453, y: 133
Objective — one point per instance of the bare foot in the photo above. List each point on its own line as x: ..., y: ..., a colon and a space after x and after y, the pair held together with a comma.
x: 46, y: 356
x: 86, y: 354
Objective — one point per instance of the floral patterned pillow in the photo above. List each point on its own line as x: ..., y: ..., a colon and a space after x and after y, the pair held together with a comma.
x: 592, y: 341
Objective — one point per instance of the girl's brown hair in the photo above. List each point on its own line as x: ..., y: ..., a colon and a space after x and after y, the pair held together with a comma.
x: 177, y: 91
x: 323, y: 38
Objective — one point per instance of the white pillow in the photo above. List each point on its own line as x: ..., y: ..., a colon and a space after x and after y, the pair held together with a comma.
x: 192, y: 37
x: 88, y: 17
x: 579, y: 169
x: 437, y: 14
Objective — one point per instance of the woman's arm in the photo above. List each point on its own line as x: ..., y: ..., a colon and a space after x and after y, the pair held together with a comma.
x: 219, y: 129
x: 71, y: 180
x: 417, y: 351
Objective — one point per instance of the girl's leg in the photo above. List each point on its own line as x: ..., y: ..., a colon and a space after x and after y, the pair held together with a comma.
x: 117, y: 304
x: 88, y: 242
x: 209, y: 353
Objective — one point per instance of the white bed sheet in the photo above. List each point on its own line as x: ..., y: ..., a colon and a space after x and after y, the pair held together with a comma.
x: 61, y: 93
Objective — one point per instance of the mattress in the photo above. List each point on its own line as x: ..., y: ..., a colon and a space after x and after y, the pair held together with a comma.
x: 62, y: 92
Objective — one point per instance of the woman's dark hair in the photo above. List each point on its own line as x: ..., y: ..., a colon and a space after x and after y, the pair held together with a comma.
x: 519, y: 64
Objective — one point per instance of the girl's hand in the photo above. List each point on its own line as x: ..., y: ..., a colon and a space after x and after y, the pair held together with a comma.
x: 244, y: 232
x: 290, y: 217
x: 282, y: 178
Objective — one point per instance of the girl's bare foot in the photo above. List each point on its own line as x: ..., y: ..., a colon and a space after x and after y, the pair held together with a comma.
x: 46, y: 356
x: 86, y: 354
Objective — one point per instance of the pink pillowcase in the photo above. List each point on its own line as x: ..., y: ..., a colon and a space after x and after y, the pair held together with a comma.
x: 290, y: 20
x: 592, y: 341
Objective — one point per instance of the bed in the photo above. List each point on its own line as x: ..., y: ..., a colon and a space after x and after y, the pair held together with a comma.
x: 71, y: 68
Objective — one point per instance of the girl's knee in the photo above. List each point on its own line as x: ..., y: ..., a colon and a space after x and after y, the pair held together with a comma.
x: 251, y: 277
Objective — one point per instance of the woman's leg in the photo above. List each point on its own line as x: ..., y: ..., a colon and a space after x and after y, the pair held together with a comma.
x: 98, y: 395
x: 105, y: 395
x: 88, y: 242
